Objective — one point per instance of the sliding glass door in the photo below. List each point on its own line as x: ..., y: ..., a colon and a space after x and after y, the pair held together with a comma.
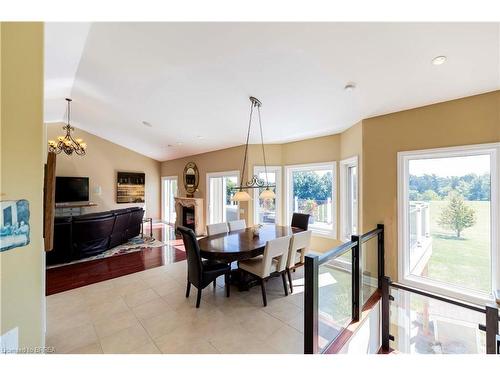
x: 220, y: 207
x: 267, y: 211
x: 168, y: 193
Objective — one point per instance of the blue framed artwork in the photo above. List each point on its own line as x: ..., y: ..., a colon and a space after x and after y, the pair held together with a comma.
x: 14, y: 224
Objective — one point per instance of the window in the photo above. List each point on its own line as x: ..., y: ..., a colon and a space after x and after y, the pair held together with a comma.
x: 220, y: 187
x: 448, y: 210
x: 310, y: 189
x: 169, y: 192
x: 349, y: 197
x: 267, y: 211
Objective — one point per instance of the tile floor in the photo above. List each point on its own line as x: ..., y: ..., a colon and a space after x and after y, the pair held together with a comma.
x: 147, y: 312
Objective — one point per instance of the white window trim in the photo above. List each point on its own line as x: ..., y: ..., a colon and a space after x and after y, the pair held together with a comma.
x: 270, y: 168
x: 344, y: 165
x: 163, y: 179
x: 332, y: 165
x: 403, y: 262
x: 207, y: 188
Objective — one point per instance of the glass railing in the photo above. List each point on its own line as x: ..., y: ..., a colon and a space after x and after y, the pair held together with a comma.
x: 337, y: 285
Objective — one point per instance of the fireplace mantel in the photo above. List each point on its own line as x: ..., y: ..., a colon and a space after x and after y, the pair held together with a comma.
x: 197, y: 204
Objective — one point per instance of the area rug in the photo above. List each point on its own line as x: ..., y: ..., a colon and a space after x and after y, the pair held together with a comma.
x: 134, y: 244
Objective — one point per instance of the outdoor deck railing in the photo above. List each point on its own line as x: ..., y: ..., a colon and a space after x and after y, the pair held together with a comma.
x: 312, y: 285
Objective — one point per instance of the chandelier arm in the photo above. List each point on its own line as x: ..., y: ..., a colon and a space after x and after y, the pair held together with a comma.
x: 262, y: 143
x: 246, y: 147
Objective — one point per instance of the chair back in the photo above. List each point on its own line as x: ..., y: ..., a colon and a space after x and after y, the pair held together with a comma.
x: 276, y: 249
x: 218, y: 228
x: 237, y: 225
x: 195, y: 266
x: 300, y: 220
x: 300, y: 242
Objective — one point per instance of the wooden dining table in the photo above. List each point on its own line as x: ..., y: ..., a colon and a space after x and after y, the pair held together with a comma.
x: 240, y: 245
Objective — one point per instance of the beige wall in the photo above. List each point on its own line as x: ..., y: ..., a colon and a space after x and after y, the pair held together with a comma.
x: 466, y: 121
x: 22, y: 269
x: 101, y: 164
x: 315, y: 150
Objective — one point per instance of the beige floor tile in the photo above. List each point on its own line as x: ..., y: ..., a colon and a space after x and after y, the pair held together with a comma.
x: 158, y: 279
x: 107, y: 309
x: 125, y: 341
x: 287, y: 340
x: 169, y: 287
x: 100, y: 296
x: 60, y: 323
x: 128, y: 286
x: 149, y: 348
x: 88, y: 349
x: 261, y: 325
x: 236, y: 340
x: 160, y: 325
x: 140, y: 297
x: 167, y: 345
x: 151, y: 308
x: 115, y: 323
x: 71, y: 339
x: 297, y: 323
x: 283, y: 310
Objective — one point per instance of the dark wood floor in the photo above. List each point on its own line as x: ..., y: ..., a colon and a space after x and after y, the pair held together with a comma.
x: 77, y: 275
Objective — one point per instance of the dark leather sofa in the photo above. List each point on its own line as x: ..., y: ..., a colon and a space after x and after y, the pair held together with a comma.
x: 83, y: 236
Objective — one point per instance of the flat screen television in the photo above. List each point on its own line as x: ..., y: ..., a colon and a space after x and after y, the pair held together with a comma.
x: 72, y: 189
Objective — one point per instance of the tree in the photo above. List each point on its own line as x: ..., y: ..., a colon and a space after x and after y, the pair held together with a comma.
x: 457, y: 216
x: 430, y: 195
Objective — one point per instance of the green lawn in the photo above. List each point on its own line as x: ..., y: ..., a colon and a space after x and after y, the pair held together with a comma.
x: 464, y: 261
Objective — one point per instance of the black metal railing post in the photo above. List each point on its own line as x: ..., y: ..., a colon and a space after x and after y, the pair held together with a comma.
x: 386, y: 282
x: 381, y: 255
x: 357, y: 274
x: 491, y: 328
x: 311, y: 304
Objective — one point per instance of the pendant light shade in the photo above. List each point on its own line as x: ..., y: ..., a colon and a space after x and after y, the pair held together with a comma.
x: 267, y: 194
x: 241, y: 196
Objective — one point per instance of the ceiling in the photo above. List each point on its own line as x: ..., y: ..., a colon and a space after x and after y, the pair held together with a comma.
x: 191, y: 81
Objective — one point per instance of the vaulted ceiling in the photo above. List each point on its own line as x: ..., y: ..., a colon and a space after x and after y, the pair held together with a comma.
x: 190, y: 82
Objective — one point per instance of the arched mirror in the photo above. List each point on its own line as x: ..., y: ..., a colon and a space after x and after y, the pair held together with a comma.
x: 191, y: 179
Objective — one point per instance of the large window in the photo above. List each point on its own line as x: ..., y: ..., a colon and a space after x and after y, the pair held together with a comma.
x: 448, y: 209
x: 220, y: 206
x: 349, y: 197
x: 311, y: 190
x: 268, y: 211
x: 169, y: 192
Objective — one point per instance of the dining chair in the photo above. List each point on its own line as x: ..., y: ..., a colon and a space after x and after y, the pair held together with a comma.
x: 237, y: 225
x: 299, y: 245
x: 271, y: 263
x: 216, y: 228
x: 201, y: 272
x: 300, y: 220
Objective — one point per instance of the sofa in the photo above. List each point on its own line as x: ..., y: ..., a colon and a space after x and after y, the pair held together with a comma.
x: 82, y: 236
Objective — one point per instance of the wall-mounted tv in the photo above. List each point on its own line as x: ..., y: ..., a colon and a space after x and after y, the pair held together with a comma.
x: 72, y: 189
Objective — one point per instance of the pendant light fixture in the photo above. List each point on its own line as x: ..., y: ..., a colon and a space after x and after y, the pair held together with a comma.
x: 67, y: 143
x: 255, y: 183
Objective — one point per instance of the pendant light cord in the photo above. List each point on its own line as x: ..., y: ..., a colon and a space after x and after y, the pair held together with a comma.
x: 246, y: 147
x: 262, y: 143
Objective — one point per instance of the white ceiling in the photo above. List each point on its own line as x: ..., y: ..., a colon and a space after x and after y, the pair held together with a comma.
x: 191, y: 81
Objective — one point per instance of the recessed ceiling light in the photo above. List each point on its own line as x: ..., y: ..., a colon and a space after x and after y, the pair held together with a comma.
x: 169, y: 145
x: 200, y: 137
x: 145, y: 123
x: 179, y: 143
x: 350, y: 86
x: 438, y: 60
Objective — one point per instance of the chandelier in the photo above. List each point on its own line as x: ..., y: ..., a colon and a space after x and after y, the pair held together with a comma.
x: 255, y: 182
x: 67, y: 143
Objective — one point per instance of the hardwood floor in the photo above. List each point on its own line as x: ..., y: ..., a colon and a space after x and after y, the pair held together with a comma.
x: 77, y: 275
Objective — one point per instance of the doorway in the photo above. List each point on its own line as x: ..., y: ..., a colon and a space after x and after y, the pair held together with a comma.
x: 168, y: 193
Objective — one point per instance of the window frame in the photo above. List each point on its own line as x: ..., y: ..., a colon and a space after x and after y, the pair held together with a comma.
x: 278, y: 170
x: 344, y: 187
x: 403, y: 159
x: 207, y: 188
x: 330, y: 166
x: 163, y: 179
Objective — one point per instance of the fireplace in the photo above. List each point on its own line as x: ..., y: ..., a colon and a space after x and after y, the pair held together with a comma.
x: 188, y: 218
x: 190, y: 214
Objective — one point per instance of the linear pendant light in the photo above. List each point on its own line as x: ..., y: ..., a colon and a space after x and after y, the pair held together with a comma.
x: 255, y: 183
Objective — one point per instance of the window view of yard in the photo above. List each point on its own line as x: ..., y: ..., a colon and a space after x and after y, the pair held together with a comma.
x: 449, y: 220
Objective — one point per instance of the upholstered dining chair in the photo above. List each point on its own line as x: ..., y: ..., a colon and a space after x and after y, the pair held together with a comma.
x: 299, y: 244
x: 201, y: 272
x: 237, y: 225
x: 271, y: 263
x: 300, y: 220
x: 216, y: 228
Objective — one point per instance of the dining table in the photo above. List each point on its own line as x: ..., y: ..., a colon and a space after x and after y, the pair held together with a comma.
x: 240, y: 245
